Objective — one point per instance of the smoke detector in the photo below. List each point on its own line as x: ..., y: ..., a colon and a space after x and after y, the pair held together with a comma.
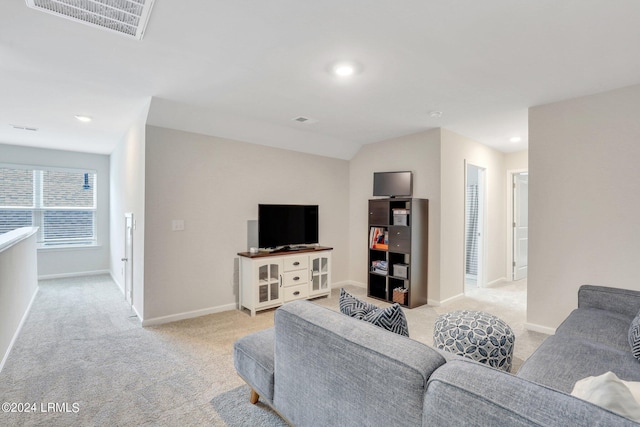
x: 126, y: 17
x: 306, y: 120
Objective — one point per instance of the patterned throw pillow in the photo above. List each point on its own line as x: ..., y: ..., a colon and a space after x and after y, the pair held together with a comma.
x: 390, y: 318
x: 352, y: 306
x: 634, y: 336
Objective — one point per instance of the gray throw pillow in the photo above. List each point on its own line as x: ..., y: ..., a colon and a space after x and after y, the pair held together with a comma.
x: 634, y: 336
x: 390, y: 318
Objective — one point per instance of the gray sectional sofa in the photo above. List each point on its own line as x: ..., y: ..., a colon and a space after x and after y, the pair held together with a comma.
x: 317, y: 367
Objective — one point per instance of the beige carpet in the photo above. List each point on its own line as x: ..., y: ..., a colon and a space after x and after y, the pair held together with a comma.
x: 83, y: 349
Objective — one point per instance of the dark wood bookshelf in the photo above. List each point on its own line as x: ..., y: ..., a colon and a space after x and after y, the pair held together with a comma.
x: 404, y: 225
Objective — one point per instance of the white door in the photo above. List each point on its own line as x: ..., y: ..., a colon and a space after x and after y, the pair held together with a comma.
x: 128, y: 258
x: 474, y: 225
x: 520, y: 224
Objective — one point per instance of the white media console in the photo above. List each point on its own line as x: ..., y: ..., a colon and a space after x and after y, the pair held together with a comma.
x: 269, y: 279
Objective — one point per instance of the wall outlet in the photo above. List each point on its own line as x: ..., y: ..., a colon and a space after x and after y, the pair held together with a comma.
x: 177, y: 225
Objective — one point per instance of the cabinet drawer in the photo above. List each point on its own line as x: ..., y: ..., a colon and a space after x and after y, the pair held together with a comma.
x: 296, y: 263
x: 399, y: 239
x: 296, y: 292
x: 295, y: 277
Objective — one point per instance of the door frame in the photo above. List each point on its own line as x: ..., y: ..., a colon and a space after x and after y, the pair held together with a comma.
x: 127, y: 259
x: 510, y: 219
x: 482, y: 225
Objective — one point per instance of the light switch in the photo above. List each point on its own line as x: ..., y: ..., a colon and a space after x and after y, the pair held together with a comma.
x: 177, y: 225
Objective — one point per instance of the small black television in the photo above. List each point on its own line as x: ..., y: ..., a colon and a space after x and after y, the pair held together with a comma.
x: 287, y: 225
x: 392, y: 184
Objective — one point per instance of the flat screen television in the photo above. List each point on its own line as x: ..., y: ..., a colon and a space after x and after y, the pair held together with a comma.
x: 392, y: 184
x: 287, y: 225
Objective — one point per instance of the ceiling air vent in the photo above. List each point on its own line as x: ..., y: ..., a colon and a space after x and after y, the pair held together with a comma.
x: 127, y: 17
x: 17, y: 127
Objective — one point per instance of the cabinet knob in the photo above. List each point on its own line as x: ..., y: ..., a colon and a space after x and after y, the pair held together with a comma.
x: 296, y: 293
x: 296, y: 263
x: 296, y: 278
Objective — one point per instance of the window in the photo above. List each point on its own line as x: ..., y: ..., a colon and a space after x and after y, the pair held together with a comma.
x: 62, y: 202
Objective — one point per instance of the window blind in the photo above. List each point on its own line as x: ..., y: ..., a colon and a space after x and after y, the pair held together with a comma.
x: 62, y: 202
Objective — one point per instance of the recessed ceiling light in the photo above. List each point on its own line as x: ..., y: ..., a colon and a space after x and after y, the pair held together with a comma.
x: 435, y: 114
x: 82, y: 118
x: 345, y: 68
x: 515, y: 139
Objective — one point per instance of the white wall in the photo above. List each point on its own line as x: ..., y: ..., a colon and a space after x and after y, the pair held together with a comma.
x: 584, y: 200
x: 18, y: 284
x: 76, y: 261
x: 419, y: 153
x: 127, y: 196
x: 455, y: 150
x: 215, y: 186
x: 517, y: 161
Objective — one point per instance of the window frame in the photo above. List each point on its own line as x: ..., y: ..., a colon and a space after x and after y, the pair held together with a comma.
x: 38, y: 209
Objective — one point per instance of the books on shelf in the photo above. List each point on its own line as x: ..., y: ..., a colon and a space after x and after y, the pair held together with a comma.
x: 380, y: 267
x: 378, y: 238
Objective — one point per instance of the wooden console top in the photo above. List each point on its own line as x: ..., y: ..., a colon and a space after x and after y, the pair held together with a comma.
x: 263, y: 254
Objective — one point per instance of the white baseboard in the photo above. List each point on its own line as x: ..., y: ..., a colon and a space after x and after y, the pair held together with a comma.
x: 78, y: 274
x: 135, y: 310
x: 337, y: 285
x: 496, y: 282
x: 120, y: 286
x: 446, y: 301
x: 187, y: 315
x: 539, y: 328
x: 15, y: 335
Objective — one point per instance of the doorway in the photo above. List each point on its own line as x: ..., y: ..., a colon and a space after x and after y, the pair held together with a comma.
x: 474, y: 225
x: 128, y: 258
x: 520, y: 240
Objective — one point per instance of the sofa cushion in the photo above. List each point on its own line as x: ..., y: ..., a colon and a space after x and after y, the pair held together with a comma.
x: 390, y: 318
x: 634, y: 336
x: 599, y: 326
x: 469, y: 394
x: 562, y: 360
x: 333, y: 370
x: 253, y: 358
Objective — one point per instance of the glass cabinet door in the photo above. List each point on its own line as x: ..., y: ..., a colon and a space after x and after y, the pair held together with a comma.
x: 268, y: 282
x: 320, y: 268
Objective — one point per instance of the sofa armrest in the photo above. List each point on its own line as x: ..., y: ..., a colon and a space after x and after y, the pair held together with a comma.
x: 466, y: 393
x: 623, y: 301
x: 331, y: 369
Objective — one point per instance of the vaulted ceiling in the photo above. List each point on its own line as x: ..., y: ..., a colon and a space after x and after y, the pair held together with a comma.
x: 246, y: 69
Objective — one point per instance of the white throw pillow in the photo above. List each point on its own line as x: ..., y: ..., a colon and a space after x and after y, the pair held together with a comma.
x: 610, y: 392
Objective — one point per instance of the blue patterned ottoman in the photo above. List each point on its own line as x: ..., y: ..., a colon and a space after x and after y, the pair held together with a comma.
x: 477, y: 335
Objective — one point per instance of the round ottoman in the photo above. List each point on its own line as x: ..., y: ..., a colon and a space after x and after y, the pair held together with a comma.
x: 477, y: 335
